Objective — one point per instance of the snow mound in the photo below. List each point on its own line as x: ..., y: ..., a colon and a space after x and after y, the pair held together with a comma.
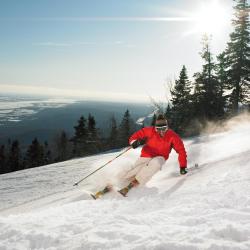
x: 207, y: 209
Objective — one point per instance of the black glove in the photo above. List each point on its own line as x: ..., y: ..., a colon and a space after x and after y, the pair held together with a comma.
x: 139, y: 142
x: 183, y: 171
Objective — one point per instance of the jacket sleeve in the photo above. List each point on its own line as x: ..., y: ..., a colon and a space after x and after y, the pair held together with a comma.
x: 140, y: 134
x: 178, y: 146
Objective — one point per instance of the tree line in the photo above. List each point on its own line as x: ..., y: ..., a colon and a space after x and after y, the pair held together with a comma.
x: 222, y: 88
x: 86, y: 140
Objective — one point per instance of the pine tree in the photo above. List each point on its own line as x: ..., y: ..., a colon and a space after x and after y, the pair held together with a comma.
x: 126, y: 128
x: 113, y: 136
x: 47, y: 153
x: 168, y: 115
x: 207, y: 87
x: 34, y: 155
x: 238, y: 57
x: 80, y: 138
x: 62, y: 147
x: 7, y: 150
x: 93, y: 141
x: 198, y: 97
x: 92, y: 131
x: 14, y: 159
x: 222, y: 78
x: 181, y: 102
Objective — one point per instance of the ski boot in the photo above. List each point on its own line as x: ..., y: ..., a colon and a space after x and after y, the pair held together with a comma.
x: 101, y: 192
x: 125, y: 190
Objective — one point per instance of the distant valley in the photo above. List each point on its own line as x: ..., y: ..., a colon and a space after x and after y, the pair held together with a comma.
x: 24, y: 118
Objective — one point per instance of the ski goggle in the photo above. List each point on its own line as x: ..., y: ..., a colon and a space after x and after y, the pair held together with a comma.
x: 161, y: 128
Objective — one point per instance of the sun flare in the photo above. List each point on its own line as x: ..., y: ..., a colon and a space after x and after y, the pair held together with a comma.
x: 210, y: 18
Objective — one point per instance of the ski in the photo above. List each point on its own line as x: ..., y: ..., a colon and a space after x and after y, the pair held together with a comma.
x: 93, y: 196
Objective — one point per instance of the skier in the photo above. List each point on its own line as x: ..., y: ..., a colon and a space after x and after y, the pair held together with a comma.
x: 157, y: 141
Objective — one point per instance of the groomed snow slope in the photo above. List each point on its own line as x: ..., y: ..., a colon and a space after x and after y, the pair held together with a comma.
x: 207, y: 209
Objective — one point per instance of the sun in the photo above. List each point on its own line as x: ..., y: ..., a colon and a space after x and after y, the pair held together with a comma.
x: 210, y: 17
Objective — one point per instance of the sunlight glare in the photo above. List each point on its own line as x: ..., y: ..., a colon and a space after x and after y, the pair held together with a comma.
x: 210, y: 18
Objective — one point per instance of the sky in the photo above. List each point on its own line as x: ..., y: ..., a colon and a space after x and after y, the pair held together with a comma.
x: 105, y: 49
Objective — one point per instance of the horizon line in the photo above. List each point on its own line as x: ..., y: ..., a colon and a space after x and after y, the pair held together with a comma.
x: 108, y: 19
x: 13, y: 89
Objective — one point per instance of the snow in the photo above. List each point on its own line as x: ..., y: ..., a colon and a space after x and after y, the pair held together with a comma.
x: 207, y: 209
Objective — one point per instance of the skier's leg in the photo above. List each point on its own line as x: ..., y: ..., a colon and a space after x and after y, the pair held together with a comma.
x: 139, y: 164
x: 146, y: 173
x: 142, y: 173
x: 130, y: 175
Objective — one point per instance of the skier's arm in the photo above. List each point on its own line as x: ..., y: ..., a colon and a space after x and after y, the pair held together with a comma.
x: 178, y: 146
x: 139, y: 136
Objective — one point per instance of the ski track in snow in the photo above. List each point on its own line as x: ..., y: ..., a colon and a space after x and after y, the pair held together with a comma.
x: 209, y: 208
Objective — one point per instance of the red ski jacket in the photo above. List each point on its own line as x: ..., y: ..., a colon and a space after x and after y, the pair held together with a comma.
x: 160, y: 146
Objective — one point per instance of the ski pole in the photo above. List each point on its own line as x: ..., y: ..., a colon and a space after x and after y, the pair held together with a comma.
x: 127, y: 149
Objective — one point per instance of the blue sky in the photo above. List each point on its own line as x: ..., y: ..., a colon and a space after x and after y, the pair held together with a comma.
x: 101, y: 49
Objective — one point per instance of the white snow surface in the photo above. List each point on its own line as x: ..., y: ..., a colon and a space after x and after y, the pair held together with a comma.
x: 209, y: 208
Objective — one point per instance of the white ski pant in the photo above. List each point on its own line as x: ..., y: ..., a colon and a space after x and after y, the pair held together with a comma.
x: 145, y: 168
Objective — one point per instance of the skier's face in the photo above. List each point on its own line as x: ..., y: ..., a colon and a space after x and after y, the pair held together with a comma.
x: 161, y: 130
